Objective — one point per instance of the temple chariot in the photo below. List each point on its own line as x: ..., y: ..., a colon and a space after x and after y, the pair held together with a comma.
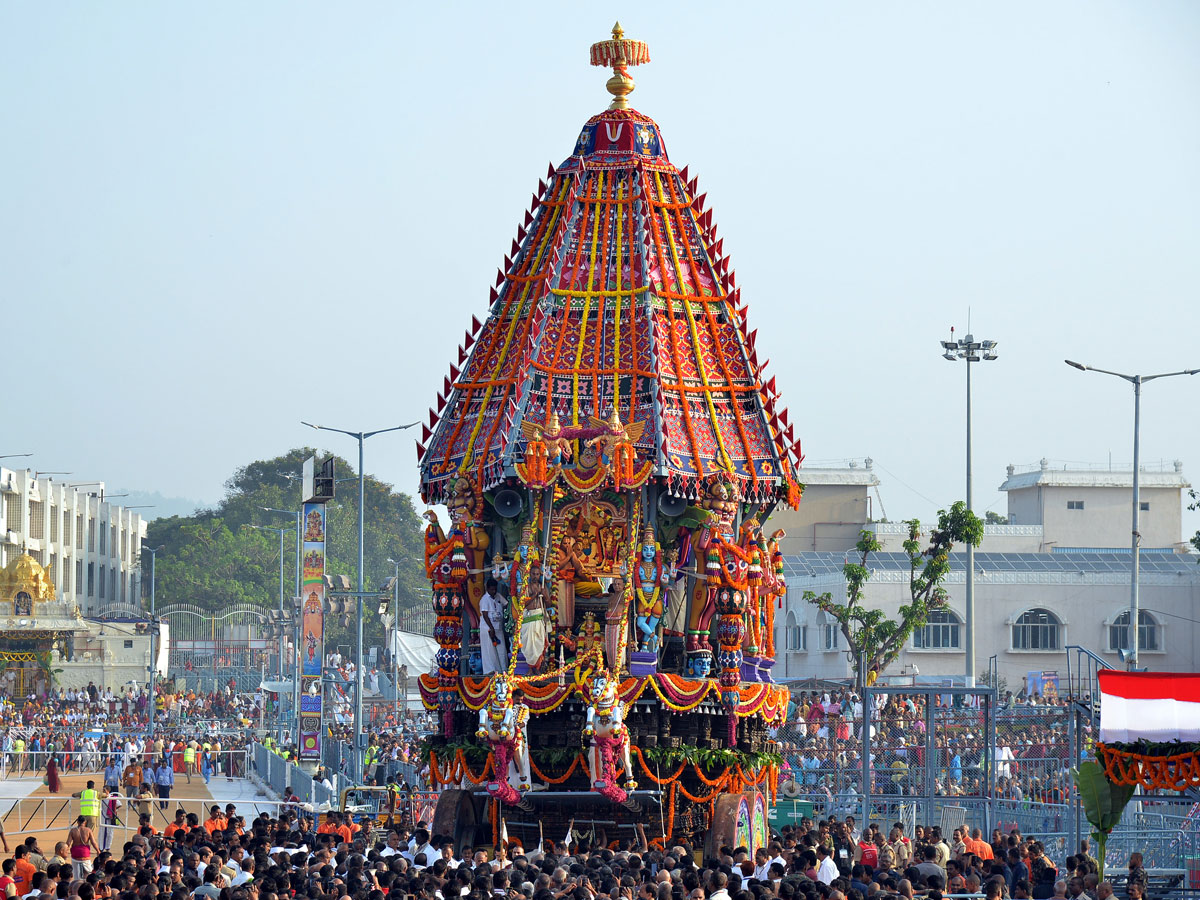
x: 608, y: 447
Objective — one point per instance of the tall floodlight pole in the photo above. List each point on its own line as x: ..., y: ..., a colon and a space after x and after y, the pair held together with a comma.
x: 1131, y: 651
x: 153, y: 551
x: 972, y: 351
x: 361, y: 437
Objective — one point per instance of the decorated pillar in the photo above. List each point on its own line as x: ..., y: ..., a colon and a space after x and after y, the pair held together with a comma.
x: 312, y: 629
x: 446, y: 568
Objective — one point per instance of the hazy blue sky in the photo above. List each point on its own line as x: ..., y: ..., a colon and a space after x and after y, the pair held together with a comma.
x: 221, y: 218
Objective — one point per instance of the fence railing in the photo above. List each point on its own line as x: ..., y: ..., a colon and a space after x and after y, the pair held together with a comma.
x: 1083, y: 687
x: 279, y: 774
x: 58, y: 812
x: 31, y: 763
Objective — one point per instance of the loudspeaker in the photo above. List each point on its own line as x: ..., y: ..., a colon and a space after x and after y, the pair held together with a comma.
x: 670, y: 505
x: 508, y: 503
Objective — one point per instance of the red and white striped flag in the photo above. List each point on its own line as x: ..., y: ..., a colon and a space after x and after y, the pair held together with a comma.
x: 1151, y: 706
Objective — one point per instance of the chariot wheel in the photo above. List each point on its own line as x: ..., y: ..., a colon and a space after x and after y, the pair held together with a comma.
x: 456, y: 817
x: 739, y: 820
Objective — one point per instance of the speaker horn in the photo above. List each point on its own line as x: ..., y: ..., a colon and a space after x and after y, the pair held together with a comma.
x: 508, y: 503
x: 670, y: 505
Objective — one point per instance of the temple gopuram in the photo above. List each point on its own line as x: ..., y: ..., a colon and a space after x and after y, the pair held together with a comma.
x: 608, y: 446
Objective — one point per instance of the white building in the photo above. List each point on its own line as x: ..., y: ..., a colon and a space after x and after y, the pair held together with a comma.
x: 89, y: 547
x: 837, y: 505
x: 1056, y: 580
x: 1093, y: 509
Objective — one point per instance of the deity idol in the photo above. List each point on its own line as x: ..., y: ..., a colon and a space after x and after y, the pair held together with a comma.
x: 466, y: 514
x: 715, y: 538
x: 650, y: 580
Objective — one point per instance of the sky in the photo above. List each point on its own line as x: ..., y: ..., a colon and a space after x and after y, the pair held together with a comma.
x: 223, y: 218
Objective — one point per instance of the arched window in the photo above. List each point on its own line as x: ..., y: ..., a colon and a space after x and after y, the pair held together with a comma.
x: 943, y: 631
x: 795, y: 636
x: 1037, y: 629
x: 1148, y: 634
x: 829, y: 630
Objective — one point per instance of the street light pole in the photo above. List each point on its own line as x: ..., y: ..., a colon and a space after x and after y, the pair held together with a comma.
x: 1131, y: 653
x: 361, y: 437
x: 972, y: 351
x: 153, y: 551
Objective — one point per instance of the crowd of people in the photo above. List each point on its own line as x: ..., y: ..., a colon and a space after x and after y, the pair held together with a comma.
x: 100, y: 708
x: 92, y: 729
x: 1027, y: 763
x: 296, y: 856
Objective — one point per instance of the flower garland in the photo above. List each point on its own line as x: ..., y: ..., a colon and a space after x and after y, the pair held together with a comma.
x: 1177, y: 772
x: 458, y: 769
x: 578, y: 762
x: 676, y: 692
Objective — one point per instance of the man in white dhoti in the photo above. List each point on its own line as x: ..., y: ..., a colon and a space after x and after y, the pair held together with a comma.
x: 533, y: 620
x: 492, y: 648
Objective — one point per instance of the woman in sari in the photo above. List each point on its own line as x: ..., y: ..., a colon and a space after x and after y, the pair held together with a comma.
x: 52, y: 774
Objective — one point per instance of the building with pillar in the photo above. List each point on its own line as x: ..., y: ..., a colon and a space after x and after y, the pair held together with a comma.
x: 88, y: 546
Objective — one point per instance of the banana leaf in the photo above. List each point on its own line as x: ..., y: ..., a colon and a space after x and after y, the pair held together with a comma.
x: 1103, y: 802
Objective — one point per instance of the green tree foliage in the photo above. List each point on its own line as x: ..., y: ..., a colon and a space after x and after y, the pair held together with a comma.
x: 1103, y: 803
x: 211, y: 560
x: 994, y: 518
x: 1195, y: 504
x: 866, y: 630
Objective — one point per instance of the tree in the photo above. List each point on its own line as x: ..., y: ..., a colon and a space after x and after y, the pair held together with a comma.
x: 994, y: 518
x: 210, y: 560
x: 1195, y: 504
x: 867, y: 631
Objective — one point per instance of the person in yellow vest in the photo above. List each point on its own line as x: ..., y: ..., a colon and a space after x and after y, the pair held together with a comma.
x: 89, y: 804
x: 189, y: 759
x: 19, y: 752
x: 370, y: 762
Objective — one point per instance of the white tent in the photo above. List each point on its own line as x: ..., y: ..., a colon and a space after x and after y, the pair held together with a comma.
x: 416, y: 651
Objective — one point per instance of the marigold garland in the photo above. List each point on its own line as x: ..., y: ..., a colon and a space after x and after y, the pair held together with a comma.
x: 722, y: 783
x: 1177, y: 772
x: 577, y: 762
x: 637, y: 751
x: 671, y: 810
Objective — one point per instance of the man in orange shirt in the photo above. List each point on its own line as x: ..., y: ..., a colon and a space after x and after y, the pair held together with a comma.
x: 330, y: 825
x: 23, y: 870
x: 215, y: 820
x: 180, y: 824
x: 979, y: 846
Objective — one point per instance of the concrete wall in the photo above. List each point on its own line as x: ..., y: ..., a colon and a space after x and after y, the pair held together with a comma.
x: 1106, y: 516
x: 1085, y: 609
x: 101, y: 657
x: 830, y: 517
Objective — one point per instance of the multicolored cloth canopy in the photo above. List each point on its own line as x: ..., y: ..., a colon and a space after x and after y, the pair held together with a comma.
x: 618, y: 294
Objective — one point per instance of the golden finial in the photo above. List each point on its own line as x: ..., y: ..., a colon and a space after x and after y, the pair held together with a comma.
x: 620, y: 52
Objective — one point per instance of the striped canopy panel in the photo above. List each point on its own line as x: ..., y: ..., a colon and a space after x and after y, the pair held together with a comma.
x: 617, y: 295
